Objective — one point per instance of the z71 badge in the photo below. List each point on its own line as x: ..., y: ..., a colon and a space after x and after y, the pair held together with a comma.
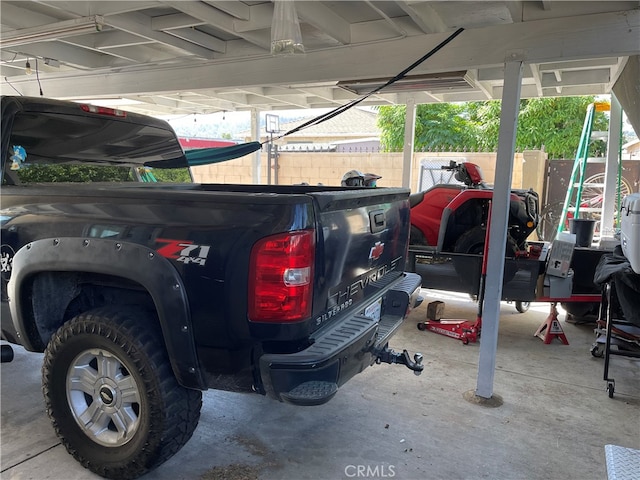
x: 184, y: 251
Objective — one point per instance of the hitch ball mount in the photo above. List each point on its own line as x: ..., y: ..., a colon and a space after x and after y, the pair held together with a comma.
x: 390, y: 356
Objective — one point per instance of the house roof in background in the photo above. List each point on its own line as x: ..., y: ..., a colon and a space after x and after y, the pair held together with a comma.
x: 354, y: 122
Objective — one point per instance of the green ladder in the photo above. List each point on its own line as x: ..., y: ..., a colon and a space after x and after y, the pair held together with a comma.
x: 579, y: 168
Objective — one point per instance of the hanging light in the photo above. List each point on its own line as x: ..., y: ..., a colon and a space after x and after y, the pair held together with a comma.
x: 53, y: 31
x: 27, y: 68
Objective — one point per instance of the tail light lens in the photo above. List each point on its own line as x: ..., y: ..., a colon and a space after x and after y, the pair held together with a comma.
x: 281, y: 277
x: 113, y: 112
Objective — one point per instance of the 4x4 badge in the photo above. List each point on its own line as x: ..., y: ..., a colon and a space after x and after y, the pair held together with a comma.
x: 183, y: 251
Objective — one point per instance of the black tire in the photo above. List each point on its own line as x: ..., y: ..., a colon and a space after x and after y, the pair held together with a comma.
x: 597, y: 350
x: 522, y: 306
x: 581, y: 311
x: 416, y: 237
x: 471, y: 242
x: 112, y: 396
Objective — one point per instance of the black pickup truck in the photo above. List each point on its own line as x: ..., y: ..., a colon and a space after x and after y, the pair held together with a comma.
x: 143, y: 294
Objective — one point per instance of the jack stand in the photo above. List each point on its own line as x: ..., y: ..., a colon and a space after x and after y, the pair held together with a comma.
x: 551, y: 328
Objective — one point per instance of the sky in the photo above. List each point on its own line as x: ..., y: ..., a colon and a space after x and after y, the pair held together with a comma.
x: 217, y: 125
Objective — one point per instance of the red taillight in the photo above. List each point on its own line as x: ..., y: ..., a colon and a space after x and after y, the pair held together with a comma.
x: 281, y: 277
x: 114, y: 112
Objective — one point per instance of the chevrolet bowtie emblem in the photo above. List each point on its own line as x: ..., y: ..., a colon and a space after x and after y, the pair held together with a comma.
x: 376, y: 251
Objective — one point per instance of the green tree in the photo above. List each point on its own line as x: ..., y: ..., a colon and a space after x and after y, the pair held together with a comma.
x: 172, y: 175
x: 555, y: 123
x: 46, y: 173
x: 437, y: 125
x: 73, y: 173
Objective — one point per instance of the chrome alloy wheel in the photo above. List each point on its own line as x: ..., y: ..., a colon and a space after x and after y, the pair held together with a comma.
x: 103, y: 397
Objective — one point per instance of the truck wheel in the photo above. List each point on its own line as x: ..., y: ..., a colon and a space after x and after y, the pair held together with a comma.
x: 112, y: 396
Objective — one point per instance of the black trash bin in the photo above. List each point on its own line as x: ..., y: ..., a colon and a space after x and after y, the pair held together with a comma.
x: 583, y: 228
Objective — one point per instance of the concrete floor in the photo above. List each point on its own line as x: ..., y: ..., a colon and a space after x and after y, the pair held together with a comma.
x: 387, y: 423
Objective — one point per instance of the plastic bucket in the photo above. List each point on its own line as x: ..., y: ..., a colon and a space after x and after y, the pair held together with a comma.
x: 583, y: 228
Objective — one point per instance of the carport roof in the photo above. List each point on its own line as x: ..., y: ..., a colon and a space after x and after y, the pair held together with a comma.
x: 181, y: 57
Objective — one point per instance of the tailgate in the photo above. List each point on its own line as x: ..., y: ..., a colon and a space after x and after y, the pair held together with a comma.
x: 363, y: 239
x: 361, y: 296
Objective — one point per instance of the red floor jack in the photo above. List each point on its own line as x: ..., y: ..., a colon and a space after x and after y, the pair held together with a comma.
x: 465, y: 330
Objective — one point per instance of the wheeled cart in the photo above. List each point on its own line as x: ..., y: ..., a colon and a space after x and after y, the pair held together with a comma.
x: 614, y: 334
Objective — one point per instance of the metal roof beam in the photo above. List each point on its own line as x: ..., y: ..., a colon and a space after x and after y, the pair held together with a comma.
x: 582, y: 37
x: 325, y: 20
x: 218, y: 19
x: 260, y: 17
x: 140, y: 24
x: 17, y: 17
x: 87, y: 8
x: 175, y: 20
x: 424, y: 15
x: 207, y: 41
x: 591, y: 77
x: 68, y: 54
x: 235, y: 9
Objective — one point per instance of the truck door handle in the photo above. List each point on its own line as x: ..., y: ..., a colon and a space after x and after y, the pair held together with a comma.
x: 377, y: 221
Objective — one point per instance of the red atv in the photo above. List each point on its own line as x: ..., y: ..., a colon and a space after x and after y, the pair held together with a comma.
x: 453, y: 218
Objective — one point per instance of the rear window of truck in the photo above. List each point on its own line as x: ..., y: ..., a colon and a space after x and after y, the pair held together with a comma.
x: 55, y: 147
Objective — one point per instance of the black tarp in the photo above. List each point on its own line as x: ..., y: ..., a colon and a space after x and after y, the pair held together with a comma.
x: 614, y: 267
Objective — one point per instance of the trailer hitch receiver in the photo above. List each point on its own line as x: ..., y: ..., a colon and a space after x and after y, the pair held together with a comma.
x: 390, y: 356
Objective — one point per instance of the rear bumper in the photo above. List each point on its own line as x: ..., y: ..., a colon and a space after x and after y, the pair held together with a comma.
x: 312, y: 376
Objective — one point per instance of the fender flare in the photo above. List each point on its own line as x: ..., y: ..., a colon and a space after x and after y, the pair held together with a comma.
x: 121, y: 259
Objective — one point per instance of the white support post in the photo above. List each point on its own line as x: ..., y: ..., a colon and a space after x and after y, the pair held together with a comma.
x: 409, y: 137
x: 255, y: 135
x: 611, y: 170
x: 498, y: 228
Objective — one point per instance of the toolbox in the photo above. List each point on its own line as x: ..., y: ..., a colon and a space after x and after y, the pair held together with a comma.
x: 630, y: 230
